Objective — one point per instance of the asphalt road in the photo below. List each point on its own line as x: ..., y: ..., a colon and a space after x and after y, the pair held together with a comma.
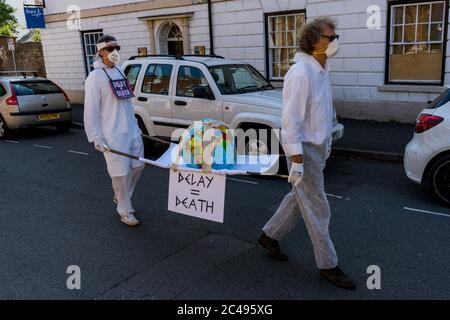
x: 57, y: 211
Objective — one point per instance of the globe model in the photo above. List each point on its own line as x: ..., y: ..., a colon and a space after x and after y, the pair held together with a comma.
x: 208, y: 144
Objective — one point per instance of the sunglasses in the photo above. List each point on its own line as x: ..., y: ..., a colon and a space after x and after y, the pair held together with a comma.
x: 111, y: 49
x: 332, y: 38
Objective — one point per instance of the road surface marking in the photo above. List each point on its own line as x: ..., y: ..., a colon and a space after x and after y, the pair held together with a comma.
x: 429, y: 212
x: 78, y: 152
x: 338, y: 197
x: 41, y: 146
x: 245, y: 181
x: 11, y: 141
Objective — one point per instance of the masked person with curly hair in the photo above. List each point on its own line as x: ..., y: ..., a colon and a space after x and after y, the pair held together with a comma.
x: 307, y: 123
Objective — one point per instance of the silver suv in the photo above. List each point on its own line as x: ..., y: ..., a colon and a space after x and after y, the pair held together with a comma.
x: 32, y: 101
x: 173, y: 92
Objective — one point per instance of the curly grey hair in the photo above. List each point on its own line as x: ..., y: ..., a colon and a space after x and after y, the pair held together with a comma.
x: 312, y: 31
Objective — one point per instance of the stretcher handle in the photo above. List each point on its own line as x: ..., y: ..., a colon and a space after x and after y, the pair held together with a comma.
x: 146, y: 136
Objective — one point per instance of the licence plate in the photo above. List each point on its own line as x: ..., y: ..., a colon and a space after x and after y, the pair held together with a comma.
x: 48, y: 116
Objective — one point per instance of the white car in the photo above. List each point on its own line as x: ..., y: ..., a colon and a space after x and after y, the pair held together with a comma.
x: 427, y: 156
x: 173, y: 92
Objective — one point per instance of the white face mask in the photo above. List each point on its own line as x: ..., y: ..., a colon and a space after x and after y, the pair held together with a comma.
x: 333, y: 49
x: 114, y: 57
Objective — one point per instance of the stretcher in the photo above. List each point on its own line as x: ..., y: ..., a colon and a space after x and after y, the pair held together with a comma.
x: 248, y: 165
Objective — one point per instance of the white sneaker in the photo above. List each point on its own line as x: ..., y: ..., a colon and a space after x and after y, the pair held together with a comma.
x: 130, y: 220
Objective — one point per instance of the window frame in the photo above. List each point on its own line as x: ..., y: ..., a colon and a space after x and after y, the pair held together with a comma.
x: 85, y: 55
x: 155, y: 64
x: 267, y: 34
x: 392, y: 3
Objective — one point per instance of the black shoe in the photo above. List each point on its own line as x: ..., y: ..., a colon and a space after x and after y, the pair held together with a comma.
x: 273, y: 246
x: 338, y: 278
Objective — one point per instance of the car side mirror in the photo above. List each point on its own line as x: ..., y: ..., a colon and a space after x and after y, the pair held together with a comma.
x: 202, y: 93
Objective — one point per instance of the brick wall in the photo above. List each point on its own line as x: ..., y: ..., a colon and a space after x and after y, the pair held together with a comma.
x: 29, y: 56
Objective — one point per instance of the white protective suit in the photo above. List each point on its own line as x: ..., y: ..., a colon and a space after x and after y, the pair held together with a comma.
x: 111, y: 119
x: 306, y: 129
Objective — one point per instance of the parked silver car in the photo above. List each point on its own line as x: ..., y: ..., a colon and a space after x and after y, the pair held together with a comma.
x: 32, y: 101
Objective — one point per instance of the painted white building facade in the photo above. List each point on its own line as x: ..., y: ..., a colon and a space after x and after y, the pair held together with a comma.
x: 366, y: 84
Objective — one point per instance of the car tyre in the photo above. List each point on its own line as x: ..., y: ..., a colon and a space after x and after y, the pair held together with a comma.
x: 439, y: 179
x: 261, y: 147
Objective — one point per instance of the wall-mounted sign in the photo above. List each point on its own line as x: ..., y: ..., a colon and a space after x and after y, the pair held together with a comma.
x: 200, y: 50
x: 142, y: 51
x: 11, y: 44
x: 34, y: 18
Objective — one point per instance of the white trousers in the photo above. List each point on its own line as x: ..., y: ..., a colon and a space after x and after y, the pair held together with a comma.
x: 308, y: 200
x: 123, y: 190
x: 124, y: 172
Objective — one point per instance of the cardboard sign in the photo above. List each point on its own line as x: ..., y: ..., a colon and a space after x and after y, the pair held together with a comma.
x: 121, y: 89
x: 197, y: 194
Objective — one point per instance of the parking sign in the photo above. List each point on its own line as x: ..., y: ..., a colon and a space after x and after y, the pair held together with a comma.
x: 11, y: 44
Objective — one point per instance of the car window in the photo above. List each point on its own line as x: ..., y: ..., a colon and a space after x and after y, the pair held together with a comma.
x: 132, y: 73
x: 237, y: 79
x: 190, y: 78
x: 2, y: 90
x: 157, y: 79
x: 441, y: 100
x: 26, y: 88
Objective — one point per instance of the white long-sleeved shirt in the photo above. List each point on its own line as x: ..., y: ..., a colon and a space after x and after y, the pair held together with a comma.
x: 105, y: 116
x: 307, y: 105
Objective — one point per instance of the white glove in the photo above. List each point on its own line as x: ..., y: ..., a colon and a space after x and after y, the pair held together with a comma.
x: 99, y: 145
x: 296, y: 173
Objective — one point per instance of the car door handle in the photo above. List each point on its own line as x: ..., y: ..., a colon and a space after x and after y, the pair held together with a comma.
x: 45, y: 105
x: 142, y: 99
x: 180, y: 103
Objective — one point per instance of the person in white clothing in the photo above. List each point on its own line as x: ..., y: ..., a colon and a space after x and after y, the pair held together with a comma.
x: 307, y: 123
x: 109, y: 122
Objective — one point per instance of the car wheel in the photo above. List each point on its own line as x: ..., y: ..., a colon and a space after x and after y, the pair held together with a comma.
x: 439, y: 179
x: 149, y: 146
x: 3, y: 128
x: 256, y: 148
x: 262, y: 146
x: 64, y: 127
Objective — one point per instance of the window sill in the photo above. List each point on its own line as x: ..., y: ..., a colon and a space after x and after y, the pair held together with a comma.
x: 411, y: 88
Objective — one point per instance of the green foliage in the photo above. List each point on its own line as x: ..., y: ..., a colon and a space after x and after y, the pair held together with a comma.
x: 36, y: 35
x: 8, y: 22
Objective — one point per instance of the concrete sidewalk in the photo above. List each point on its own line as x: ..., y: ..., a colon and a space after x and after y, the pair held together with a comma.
x: 363, y: 139
x: 384, y: 141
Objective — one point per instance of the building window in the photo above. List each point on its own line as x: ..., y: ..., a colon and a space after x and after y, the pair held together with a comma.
x: 282, y: 32
x: 90, y: 47
x: 417, y: 47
